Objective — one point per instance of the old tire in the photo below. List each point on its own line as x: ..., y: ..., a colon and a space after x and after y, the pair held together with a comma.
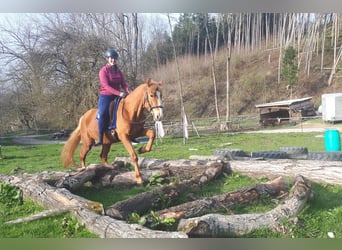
x: 231, y: 153
x: 325, y: 156
x: 295, y: 152
x: 270, y: 154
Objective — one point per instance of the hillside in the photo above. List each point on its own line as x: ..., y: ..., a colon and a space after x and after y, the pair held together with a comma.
x: 253, y: 79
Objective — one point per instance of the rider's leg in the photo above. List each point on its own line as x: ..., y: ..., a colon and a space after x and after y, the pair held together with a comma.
x: 102, y: 116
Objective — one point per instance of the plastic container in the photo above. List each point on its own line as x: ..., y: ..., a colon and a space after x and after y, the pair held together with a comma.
x: 332, y: 140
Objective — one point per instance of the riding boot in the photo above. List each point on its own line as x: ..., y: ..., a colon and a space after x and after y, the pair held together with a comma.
x: 99, y: 141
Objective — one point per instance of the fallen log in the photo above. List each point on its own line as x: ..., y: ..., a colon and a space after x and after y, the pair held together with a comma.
x: 108, y: 227
x: 226, y: 201
x: 153, y: 199
x: 128, y: 179
x: 328, y: 172
x: 105, y: 176
x: 88, y: 213
x: 181, y: 169
x: 217, y: 225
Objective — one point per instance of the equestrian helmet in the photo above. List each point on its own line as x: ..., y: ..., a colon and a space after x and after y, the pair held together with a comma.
x: 111, y: 53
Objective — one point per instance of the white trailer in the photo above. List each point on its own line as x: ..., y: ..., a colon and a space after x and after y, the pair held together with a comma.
x: 332, y: 107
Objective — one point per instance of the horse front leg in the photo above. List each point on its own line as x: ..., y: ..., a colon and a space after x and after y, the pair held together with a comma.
x: 148, y: 147
x: 128, y: 145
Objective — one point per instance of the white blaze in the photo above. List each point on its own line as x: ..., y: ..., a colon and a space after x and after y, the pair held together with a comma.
x: 160, y: 103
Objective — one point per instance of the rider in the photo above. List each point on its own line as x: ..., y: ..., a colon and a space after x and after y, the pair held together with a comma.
x: 111, y: 78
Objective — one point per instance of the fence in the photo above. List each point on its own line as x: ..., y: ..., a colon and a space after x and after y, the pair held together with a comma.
x: 198, y: 126
x: 207, y: 126
x: 203, y: 126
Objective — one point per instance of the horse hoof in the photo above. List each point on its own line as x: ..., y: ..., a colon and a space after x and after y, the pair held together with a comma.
x: 139, y: 181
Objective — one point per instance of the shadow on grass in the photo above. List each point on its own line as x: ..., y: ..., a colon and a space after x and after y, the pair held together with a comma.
x: 326, y: 196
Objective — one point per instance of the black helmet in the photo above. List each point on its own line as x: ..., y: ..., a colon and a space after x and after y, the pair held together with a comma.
x: 111, y: 53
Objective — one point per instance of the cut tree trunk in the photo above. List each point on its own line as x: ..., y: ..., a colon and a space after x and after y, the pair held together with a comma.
x: 88, y: 213
x: 146, y: 201
x: 105, y: 176
x: 120, y: 175
x: 216, y: 225
x: 226, y: 201
x: 182, y: 169
x: 328, y: 172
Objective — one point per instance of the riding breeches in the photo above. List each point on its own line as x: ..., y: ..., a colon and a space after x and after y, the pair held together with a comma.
x: 103, y: 112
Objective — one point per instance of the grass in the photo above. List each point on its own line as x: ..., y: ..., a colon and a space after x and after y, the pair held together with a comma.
x: 322, y: 215
x: 51, y: 227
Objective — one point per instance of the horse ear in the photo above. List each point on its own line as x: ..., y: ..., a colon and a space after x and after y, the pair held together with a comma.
x: 160, y: 83
x: 148, y: 81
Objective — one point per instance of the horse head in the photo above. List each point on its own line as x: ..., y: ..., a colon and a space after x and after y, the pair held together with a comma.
x: 153, y: 99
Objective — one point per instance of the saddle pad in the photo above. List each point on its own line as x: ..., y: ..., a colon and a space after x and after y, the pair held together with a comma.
x: 113, y: 125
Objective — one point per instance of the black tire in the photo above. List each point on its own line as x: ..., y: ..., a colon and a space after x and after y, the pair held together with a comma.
x: 295, y: 152
x: 231, y: 153
x: 270, y: 154
x: 325, y: 156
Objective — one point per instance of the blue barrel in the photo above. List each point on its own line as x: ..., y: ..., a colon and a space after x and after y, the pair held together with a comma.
x: 332, y: 140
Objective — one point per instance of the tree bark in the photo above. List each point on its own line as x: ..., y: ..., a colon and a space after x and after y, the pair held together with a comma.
x: 43, y: 214
x: 88, y: 213
x: 225, y: 201
x: 328, y: 172
x: 182, y: 169
x: 150, y: 200
x: 105, y: 176
x: 216, y: 225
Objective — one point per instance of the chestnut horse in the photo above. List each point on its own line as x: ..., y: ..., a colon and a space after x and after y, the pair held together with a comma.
x: 130, y: 125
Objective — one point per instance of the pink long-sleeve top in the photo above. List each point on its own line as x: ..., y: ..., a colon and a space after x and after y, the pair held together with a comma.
x: 111, y: 78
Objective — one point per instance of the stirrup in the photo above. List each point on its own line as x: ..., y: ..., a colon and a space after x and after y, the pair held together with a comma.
x: 135, y: 141
x: 97, y: 143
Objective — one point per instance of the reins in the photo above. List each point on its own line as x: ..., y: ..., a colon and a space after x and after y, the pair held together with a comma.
x: 150, y: 106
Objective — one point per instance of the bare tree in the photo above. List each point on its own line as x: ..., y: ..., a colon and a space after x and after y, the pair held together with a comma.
x: 183, y: 114
x: 212, y: 56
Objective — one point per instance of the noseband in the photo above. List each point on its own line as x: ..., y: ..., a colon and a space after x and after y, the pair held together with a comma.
x: 149, y: 104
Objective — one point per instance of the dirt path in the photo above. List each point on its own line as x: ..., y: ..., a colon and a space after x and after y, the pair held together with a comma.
x: 34, y: 139
x: 304, y: 127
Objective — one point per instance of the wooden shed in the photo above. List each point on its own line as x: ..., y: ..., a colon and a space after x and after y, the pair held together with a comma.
x: 283, y: 112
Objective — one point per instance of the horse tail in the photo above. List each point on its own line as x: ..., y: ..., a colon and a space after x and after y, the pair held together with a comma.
x: 70, y: 147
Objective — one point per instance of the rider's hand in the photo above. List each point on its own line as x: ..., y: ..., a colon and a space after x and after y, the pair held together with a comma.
x: 123, y: 94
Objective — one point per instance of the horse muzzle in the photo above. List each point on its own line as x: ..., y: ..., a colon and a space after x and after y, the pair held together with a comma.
x: 157, y: 112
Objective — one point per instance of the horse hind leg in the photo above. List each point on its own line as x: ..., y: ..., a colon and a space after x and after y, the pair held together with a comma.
x: 83, y: 153
x: 104, y: 153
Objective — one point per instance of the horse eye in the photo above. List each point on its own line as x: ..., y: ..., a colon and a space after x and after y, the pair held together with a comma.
x: 151, y: 95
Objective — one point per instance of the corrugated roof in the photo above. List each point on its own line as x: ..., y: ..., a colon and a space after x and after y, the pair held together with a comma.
x: 282, y: 103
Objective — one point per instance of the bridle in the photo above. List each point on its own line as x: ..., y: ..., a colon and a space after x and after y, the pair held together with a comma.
x: 150, y: 107
x: 149, y: 104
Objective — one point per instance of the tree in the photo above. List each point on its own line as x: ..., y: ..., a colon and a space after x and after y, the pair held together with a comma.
x: 289, y: 72
x: 213, y: 72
